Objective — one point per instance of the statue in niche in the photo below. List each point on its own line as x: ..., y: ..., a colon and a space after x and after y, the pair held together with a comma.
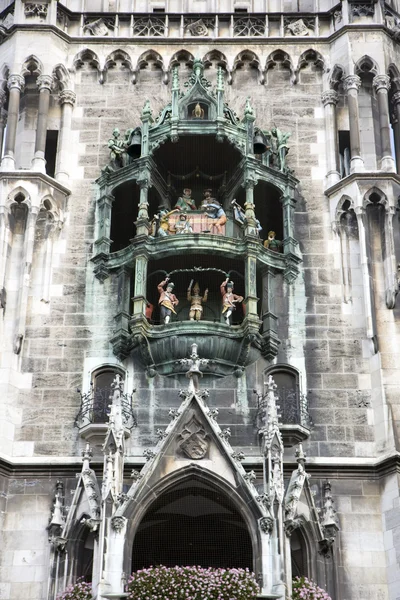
x: 183, y: 224
x: 279, y: 147
x: 214, y: 211
x: 167, y: 300
x: 272, y: 243
x: 160, y: 223
x: 198, y: 112
x: 185, y: 202
x: 117, y: 147
x: 196, y: 301
x: 229, y: 299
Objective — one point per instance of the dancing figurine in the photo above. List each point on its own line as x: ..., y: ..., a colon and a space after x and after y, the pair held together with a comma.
x: 196, y: 300
x: 167, y: 300
x: 229, y: 299
x: 214, y: 210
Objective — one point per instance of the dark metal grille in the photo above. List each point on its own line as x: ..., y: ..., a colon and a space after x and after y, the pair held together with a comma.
x: 95, y: 407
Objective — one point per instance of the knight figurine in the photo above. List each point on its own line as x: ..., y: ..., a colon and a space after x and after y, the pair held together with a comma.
x: 196, y: 301
x: 229, y: 299
x: 167, y: 300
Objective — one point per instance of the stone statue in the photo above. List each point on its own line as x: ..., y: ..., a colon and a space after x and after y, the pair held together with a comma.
x: 279, y: 146
x: 183, y: 224
x: 160, y: 222
x: 185, y: 202
x: 214, y: 210
x: 167, y: 300
x: 198, y: 112
x: 117, y: 150
x: 271, y: 243
x: 196, y: 300
x: 229, y: 299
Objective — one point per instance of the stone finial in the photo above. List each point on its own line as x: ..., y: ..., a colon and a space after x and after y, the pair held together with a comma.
x: 300, y: 455
x: 175, y: 79
x: 248, y: 109
x: 86, y: 456
x: 220, y: 79
x: 147, y: 113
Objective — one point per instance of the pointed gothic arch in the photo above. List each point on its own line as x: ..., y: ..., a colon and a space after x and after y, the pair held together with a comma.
x: 32, y: 65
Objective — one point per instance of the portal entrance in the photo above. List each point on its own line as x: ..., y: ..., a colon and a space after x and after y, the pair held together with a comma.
x: 193, y: 524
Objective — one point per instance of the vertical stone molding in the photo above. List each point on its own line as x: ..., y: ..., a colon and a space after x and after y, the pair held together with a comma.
x: 67, y: 101
x: 44, y: 83
x: 3, y: 117
x: 352, y: 84
x: 396, y: 127
x: 381, y: 84
x: 15, y: 84
x: 329, y: 100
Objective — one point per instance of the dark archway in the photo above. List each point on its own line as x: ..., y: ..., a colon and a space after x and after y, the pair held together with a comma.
x: 193, y: 524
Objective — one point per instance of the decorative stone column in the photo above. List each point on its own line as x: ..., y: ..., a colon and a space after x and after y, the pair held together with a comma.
x: 352, y: 84
x: 143, y: 223
x: 396, y: 127
x: 67, y: 100
x: 381, y: 84
x: 251, y: 225
x: 329, y: 100
x: 3, y: 118
x: 15, y: 85
x: 45, y: 83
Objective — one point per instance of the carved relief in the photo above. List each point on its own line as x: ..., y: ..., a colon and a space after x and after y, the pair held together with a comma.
x: 299, y: 27
x: 99, y: 27
x: 34, y: 9
x: 193, y: 440
x: 199, y: 27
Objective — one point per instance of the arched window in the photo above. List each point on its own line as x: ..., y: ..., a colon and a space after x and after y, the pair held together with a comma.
x: 101, y: 382
x: 298, y: 552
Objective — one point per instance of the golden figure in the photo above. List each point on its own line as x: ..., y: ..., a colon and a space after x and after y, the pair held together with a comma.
x: 196, y: 300
x: 198, y: 112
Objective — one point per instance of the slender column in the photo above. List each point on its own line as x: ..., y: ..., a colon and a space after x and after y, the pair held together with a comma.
x: 44, y: 83
x: 3, y: 118
x: 382, y: 84
x: 329, y: 100
x: 251, y: 226
x: 142, y: 223
x: 67, y: 100
x: 396, y: 127
x: 15, y: 85
x: 352, y: 84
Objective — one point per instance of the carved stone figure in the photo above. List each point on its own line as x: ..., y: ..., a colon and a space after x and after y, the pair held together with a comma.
x: 214, y: 211
x: 281, y: 146
x: 117, y: 150
x: 229, y: 299
x: 183, y: 225
x: 185, y: 202
x: 196, y: 300
x: 167, y: 300
x: 272, y: 243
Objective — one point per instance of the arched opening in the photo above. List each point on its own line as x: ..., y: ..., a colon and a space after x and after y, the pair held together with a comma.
x: 193, y: 524
x: 298, y: 552
x: 102, y: 380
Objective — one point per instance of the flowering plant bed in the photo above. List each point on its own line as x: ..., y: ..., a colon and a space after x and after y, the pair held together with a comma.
x: 305, y: 589
x: 192, y: 583
x: 78, y: 591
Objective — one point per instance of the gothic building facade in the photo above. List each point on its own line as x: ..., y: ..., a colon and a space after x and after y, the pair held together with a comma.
x: 199, y: 248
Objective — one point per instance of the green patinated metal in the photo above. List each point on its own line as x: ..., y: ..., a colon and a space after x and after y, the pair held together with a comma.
x: 196, y: 111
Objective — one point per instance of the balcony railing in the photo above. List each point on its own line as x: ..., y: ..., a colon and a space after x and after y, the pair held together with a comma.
x: 95, y: 408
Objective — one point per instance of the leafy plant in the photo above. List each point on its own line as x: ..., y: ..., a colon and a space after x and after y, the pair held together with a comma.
x: 192, y: 583
x: 305, y: 589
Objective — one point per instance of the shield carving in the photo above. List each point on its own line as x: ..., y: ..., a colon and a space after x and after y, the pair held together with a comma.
x: 193, y: 438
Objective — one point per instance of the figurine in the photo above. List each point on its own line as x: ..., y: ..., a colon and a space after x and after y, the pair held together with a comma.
x: 271, y: 243
x: 160, y: 222
x: 167, y: 300
x: 198, y: 112
x: 196, y: 308
x: 229, y: 299
x: 183, y: 224
x: 214, y: 211
x: 185, y: 202
x: 117, y: 150
x: 279, y: 146
x: 240, y: 217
